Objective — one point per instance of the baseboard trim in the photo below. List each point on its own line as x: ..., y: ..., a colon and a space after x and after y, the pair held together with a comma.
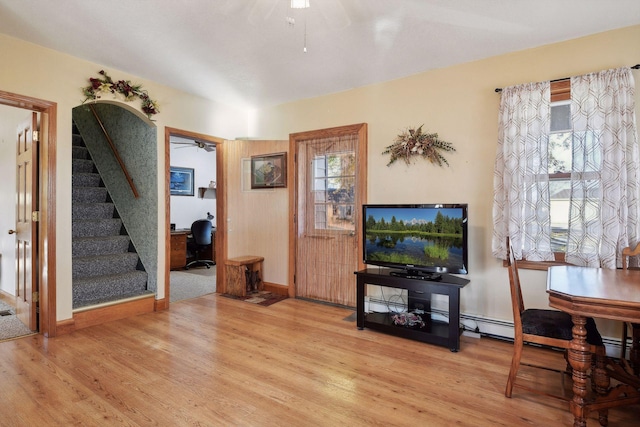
x: 161, y: 304
x: 99, y: 314
x: 276, y: 289
x: 66, y: 326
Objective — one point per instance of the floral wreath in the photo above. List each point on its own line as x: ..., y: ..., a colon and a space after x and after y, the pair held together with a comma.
x: 414, y: 142
x: 124, y: 87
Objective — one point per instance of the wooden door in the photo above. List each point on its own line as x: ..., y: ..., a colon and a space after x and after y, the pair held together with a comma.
x: 26, y: 226
x: 329, y: 191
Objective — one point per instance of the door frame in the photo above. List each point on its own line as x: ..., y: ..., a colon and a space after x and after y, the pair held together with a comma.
x: 221, y: 205
x: 295, y: 139
x: 46, y: 254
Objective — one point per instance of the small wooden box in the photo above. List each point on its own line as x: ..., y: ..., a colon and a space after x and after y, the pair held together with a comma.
x: 236, y: 274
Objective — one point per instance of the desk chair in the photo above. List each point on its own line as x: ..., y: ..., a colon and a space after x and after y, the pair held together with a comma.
x: 544, y: 327
x: 201, y: 241
x: 628, y: 326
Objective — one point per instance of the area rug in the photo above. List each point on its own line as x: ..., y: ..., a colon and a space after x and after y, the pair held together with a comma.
x: 260, y: 297
x: 10, y: 326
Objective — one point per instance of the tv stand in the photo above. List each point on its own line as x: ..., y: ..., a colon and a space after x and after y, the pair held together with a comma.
x: 434, y: 331
x: 416, y: 274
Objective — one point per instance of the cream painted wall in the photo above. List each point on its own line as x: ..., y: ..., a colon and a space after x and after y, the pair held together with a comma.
x: 457, y: 102
x: 46, y: 74
x: 460, y: 104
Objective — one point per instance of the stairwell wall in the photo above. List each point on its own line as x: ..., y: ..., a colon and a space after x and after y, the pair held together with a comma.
x: 136, y: 145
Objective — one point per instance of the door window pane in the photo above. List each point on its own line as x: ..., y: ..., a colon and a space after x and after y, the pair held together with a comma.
x: 334, y: 191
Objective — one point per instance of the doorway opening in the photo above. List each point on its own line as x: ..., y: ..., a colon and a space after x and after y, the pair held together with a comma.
x: 204, y: 199
x: 44, y: 274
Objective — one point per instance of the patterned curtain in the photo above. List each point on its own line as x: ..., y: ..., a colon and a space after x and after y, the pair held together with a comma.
x: 521, y: 182
x: 603, y: 214
x: 605, y: 186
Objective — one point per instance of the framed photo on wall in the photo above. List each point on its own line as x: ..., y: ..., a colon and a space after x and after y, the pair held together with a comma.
x: 181, y: 183
x: 269, y: 171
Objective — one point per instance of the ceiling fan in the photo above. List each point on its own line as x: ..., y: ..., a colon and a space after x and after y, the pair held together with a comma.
x: 259, y: 11
x: 206, y: 146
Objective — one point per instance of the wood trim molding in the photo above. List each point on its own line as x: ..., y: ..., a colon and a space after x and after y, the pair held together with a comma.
x: 161, y: 304
x: 47, y: 226
x: 221, y: 207
x: 294, y: 139
x: 65, y: 326
x: 98, y: 316
x: 276, y: 289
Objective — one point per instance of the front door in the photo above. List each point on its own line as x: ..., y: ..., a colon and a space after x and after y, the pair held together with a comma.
x: 26, y: 226
x: 330, y: 188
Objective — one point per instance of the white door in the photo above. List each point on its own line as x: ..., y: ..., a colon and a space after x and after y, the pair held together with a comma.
x: 26, y: 227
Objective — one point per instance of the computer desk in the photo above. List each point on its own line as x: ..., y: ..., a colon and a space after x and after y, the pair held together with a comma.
x: 178, y: 250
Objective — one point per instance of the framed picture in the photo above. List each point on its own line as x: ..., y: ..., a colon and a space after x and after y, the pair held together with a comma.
x: 269, y: 171
x: 181, y: 181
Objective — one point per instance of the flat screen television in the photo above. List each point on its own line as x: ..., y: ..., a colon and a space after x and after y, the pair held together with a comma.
x: 418, y: 241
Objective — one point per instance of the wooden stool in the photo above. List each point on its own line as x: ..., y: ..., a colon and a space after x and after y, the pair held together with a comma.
x: 237, y: 268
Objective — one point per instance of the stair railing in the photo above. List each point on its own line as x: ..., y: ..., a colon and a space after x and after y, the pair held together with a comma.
x: 115, y: 153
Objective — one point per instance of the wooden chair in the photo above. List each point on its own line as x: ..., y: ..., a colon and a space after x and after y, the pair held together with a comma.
x: 628, y: 326
x: 543, y: 327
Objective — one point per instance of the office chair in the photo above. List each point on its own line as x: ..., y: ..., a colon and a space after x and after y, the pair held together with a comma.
x: 200, y: 242
x: 545, y: 327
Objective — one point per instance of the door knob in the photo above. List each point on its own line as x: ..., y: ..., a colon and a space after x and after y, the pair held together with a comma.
x: 12, y: 231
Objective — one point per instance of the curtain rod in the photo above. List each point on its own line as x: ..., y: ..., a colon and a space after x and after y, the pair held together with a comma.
x: 635, y: 67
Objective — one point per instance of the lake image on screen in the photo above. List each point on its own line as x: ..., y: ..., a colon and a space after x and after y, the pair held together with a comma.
x: 424, y: 237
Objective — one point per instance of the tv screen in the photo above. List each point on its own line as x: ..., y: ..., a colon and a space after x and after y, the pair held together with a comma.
x: 420, y: 240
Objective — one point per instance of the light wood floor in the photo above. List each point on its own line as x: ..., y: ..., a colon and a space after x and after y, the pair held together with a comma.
x: 214, y: 361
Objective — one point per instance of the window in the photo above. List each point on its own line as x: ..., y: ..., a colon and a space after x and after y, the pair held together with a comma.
x: 560, y: 164
x: 567, y: 176
x: 334, y: 191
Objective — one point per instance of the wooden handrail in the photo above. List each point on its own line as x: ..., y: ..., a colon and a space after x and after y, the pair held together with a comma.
x: 115, y: 153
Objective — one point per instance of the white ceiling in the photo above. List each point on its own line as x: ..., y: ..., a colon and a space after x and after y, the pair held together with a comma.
x: 244, y: 53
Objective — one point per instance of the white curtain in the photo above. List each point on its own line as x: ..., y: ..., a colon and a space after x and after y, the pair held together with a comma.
x: 521, y: 181
x: 605, y: 200
x: 603, y: 215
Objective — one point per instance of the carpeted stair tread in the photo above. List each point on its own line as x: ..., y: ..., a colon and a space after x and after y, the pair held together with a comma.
x: 76, y: 139
x: 95, y: 290
x: 82, y: 166
x: 85, y: 179
x: 102, y: 265
x: 96, y: 227
x: 79, y: 152
x: 89, y: 194
x: 91, y: 246
x: 92, y: 211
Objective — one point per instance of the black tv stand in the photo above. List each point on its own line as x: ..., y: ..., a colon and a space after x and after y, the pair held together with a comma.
x: 446, y: 334
x: 416, y: 274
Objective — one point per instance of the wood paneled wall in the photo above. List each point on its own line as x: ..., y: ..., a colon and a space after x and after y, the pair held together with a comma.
x: 254, y: 218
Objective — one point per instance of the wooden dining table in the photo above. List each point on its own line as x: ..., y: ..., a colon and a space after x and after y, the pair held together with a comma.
x: 599, y: 293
